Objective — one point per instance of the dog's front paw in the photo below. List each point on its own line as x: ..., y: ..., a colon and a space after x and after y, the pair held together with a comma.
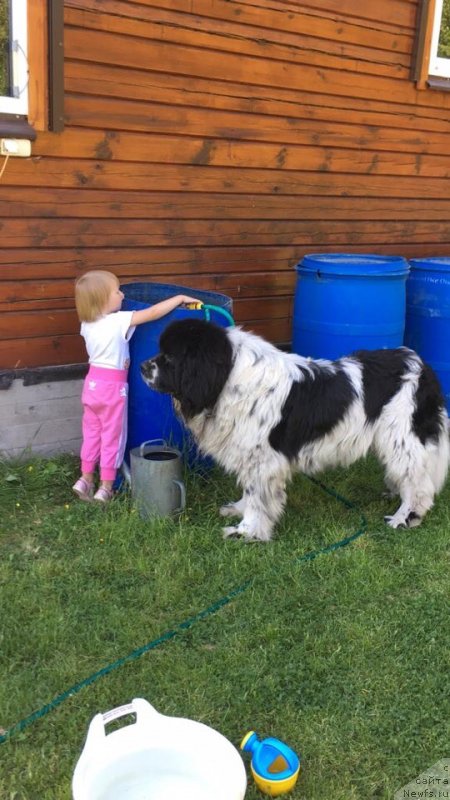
x: 244, y: 531
x: 413, y: 520
x: 231, y: 531
x: 396, y: 521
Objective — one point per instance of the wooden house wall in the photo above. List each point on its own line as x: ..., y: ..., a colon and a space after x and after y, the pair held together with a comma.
x: 214, y: 143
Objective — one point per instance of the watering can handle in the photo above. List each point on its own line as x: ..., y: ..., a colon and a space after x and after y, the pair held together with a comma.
x: 151, y: 441
x: 182, y: 489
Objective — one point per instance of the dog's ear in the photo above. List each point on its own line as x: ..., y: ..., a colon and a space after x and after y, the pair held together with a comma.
x: 204, y: 358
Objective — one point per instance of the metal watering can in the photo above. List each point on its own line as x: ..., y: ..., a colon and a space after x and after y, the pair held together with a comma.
x: 155, y: 476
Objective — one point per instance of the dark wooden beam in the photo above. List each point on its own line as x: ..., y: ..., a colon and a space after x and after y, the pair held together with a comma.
x: 56, y: 64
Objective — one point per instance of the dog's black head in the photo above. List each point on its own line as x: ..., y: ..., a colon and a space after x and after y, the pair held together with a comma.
x: 193, y: 365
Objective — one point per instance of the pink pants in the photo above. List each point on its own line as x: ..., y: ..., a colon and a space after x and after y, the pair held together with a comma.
x: 105, y: 402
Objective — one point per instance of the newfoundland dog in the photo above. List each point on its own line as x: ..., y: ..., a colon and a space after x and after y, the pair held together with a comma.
x: 263, y: 414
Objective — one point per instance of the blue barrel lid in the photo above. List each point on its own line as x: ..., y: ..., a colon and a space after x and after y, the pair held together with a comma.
x: 353, y: 264
x: 437, y: 263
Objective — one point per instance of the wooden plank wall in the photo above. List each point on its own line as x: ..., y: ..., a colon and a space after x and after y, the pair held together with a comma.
x: 214, y: 143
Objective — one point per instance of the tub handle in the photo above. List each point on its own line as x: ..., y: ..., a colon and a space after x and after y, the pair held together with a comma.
x: 182, y: 489
x: 116, y: 713
x: 151, y: 441
x: 138, y: 706
x: 145, y: 714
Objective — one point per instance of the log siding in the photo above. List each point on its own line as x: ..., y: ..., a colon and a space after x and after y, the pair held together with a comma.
x: 213, y: 144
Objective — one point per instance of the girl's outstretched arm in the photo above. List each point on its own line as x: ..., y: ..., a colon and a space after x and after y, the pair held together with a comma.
x: 161, y: 309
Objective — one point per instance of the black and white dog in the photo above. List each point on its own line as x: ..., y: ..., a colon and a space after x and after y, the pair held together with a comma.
x: 263, y: 414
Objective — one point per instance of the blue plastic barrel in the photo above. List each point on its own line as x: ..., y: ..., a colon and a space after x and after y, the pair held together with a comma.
x: 151, y: 415
x: 428, y: 315
x: 345, y: 302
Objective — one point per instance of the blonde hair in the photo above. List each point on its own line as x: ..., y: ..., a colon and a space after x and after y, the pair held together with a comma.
x: 92, y: 293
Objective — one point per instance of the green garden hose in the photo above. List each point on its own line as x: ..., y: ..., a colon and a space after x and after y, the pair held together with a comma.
x: 187, y: 623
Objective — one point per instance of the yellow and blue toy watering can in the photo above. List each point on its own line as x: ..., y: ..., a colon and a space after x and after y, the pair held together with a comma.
x: 275, y: 767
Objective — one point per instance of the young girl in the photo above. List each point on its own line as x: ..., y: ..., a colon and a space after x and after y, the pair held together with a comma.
x: 107, y: 332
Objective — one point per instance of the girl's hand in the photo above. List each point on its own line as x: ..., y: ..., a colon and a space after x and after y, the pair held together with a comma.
x: 186, y: 300
x: 161, y: 309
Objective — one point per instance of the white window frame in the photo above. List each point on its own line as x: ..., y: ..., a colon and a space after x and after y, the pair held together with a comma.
x: 439, y: 67
x: 19, y: 37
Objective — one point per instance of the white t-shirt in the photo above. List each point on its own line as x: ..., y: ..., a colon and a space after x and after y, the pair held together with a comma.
x: 107, y: 340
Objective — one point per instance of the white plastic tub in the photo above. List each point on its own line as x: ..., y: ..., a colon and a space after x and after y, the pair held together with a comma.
x: 157, y: 758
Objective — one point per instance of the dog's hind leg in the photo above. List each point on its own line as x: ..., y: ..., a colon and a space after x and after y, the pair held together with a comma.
x: 416, y: 489
x: 413, y: 508
x: 411, y: 440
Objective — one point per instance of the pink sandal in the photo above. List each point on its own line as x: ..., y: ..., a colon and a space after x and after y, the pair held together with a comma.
x: 84, y: 489
x: 103, y: 495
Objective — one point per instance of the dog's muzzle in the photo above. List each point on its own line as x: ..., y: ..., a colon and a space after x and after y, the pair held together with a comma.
x: 149, y: 372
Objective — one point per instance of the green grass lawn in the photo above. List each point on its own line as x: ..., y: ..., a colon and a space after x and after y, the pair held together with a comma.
x: 345, y: 657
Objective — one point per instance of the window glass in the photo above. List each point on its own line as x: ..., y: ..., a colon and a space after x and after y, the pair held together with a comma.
x: 440, y: 41
x: 13, y: 57
x: 5, y: 63
x: 444, y: 33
